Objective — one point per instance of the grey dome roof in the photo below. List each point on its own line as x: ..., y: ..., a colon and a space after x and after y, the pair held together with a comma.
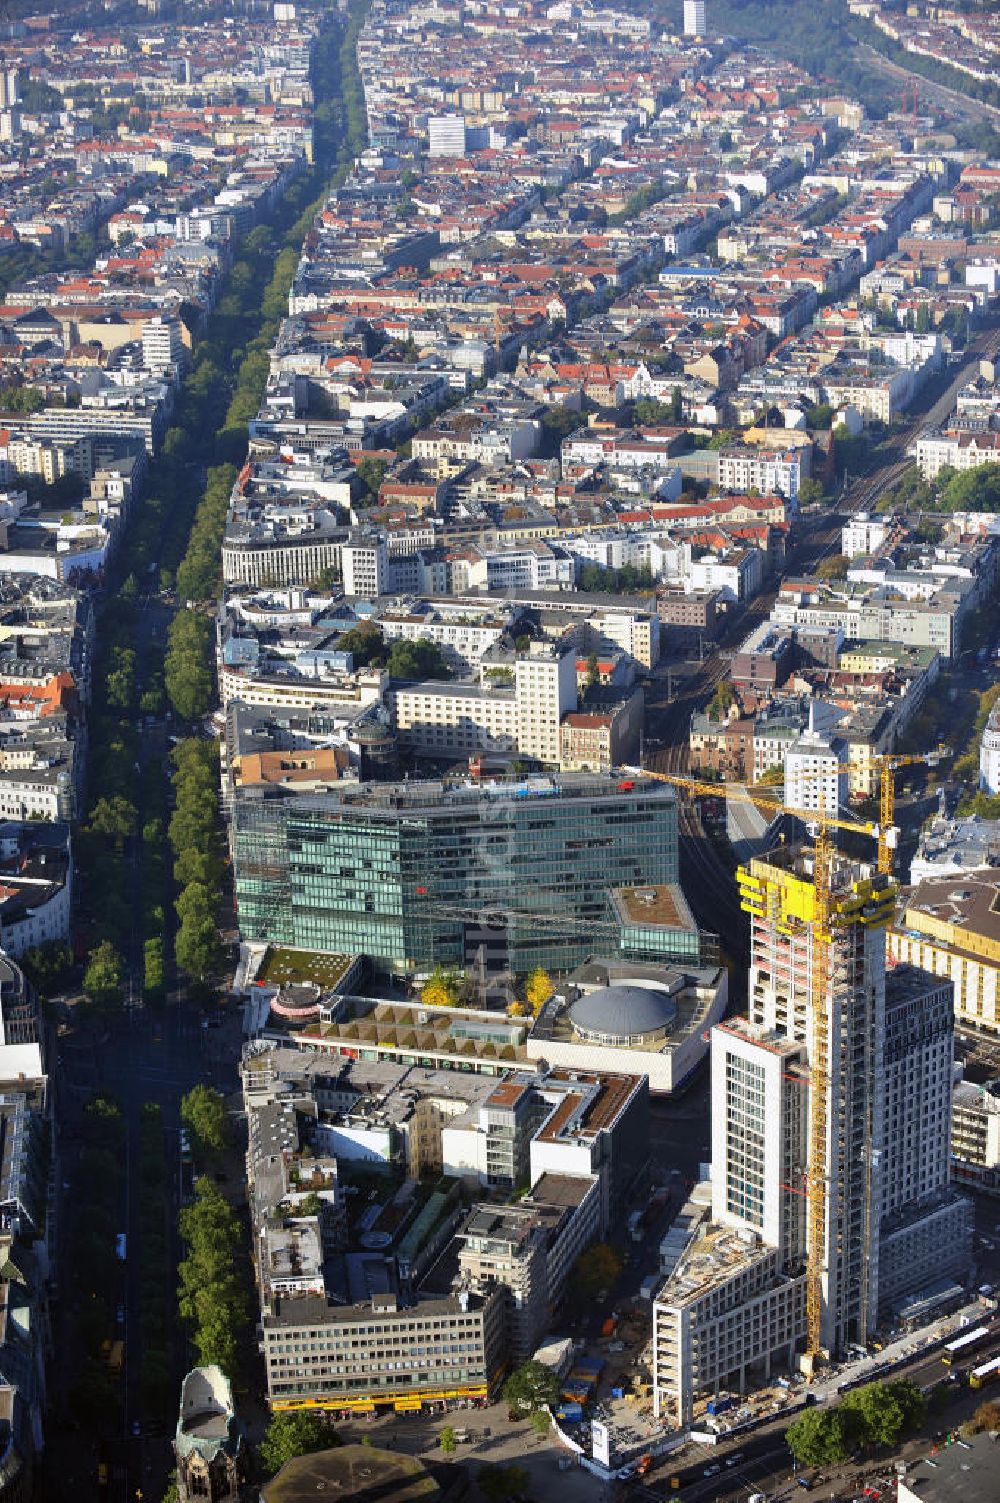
x: 624, y: 1011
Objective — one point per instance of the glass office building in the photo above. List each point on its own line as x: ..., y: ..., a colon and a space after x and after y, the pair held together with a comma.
x: 509, y: 875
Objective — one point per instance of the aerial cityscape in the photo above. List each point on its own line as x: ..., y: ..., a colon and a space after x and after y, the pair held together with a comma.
x: 500, y: 751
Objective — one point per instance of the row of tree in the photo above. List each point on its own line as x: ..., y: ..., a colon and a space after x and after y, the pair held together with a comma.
x: 193, y: 833
x: 155, y: 884
x: 113, y: 785
x: 198, y: 573
x: 966, y: 490
x: 615, y: 581
x: 186, y: 672
x: 246, y: 320
x: 878, y: 1414
x: 212, y: 1292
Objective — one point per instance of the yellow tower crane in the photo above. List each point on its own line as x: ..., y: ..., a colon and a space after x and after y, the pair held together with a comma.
x: 763, y: 798
x: 887, y: 765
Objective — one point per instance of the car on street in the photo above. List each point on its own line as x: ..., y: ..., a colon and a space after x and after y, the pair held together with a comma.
x: 713, y: 1470
x: 136, y: 1428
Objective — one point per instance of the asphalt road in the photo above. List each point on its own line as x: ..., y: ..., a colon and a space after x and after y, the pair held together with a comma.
x: 137, y: 1055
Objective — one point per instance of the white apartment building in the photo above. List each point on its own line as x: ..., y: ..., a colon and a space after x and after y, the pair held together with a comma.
x: 770, y: 472
x: 35, y: 793
x: 759, y: 1078
x: 637, y: 634
x: 931, y: 623
x: 29, y: 918
x: 989, y: 753
x: 532, y: 564
x: 364, y: 566
x: 446, y: 136
x: 270, y: 555
x: 462, y: 633
x: 816, y: 774
x: 975, y: 1133
x: 694, y: 18
x: 530, y: 1248
x: 467, y: 718
x: 879, y: 397
x: 736, y: 574
x: 961, y: 451
x: 162, y: 344
x: 863, y: 534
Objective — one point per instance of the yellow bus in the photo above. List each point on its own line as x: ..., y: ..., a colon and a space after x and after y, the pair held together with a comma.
x: 988, y: 1373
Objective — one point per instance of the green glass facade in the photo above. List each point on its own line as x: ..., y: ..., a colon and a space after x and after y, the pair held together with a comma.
x: 418, y: 874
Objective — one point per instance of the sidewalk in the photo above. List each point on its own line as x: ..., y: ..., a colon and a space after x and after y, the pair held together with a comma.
x: 910, y: 1345
x: 508, y: 1444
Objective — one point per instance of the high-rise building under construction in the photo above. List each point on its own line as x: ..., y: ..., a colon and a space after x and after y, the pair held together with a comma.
x: 831, y: 1101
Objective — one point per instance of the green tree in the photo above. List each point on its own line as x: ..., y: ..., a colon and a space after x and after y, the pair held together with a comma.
x: 371, y: 473
x: 834, y: 566
x: 203, y: 1111
x: 153, y: 967
x: 199, y: 867
x: 880, y: 1416
x: 558, y: 423
x: 104, y: 974
x: 49, y: 966
x: 115, y: 818
x: 599, y: 1267
x: 531, y: 1386
x: 648, y: 412
x: 196, y: 945
x: 721, y: 701
x: 364, y: 642
x: 540, y: 1421
x: 773, y: 776
x: 971, y: 490
x: 820, y: 1437
x: 291, y: 1435
x: 420, y: 659
x: 447, y: 1440
x: 186, y: 674
x: 810, y: 491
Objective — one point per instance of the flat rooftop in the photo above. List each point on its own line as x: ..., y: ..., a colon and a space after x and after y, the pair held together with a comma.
x: 662, y: 904
x: 714, y: 1255
x: 969, y: 902
x: 436, y: 793
x: 375, y: 1087
x: 314, y: 1310
x: 968, y: 1470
